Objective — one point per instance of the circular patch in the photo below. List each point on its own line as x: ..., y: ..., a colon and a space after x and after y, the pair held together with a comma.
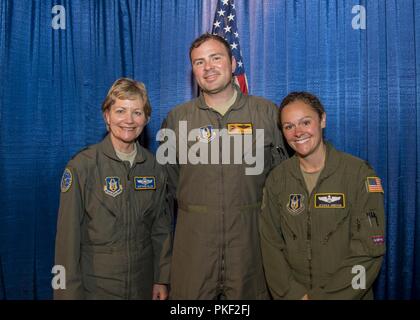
x: 66, y: 180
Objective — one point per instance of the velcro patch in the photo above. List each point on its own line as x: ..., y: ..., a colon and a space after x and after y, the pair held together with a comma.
x: 144, y: 183
x: 379, y: 240
x: 373, y: 184
x: 66, y: 180
x: 239, y: 128
x: 207, y: 134
x: 330, y: 200
x: 113, y: 186
x: 295, y: 204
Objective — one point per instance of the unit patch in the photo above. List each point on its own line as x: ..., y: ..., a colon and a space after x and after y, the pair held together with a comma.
x: 295, y: 204
x: 239, y: 128
x: 113, y: 186
x: 66, y: 180
x: 379, y: 240
x: 207, y: 134
x: 373, y: 184
x: 144, y: 183
x: 330, y: 200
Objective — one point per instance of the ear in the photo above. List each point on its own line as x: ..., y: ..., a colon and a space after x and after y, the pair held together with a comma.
x: 106, y: 117
x: 233, y: 64
x: 324, y: 120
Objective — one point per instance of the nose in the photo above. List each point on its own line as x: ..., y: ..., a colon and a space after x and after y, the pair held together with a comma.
x: 207, y: 65
x: 298, y: 131
x: 129, y: 117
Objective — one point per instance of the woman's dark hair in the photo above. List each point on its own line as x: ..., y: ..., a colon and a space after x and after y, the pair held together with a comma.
x: 306, y: 97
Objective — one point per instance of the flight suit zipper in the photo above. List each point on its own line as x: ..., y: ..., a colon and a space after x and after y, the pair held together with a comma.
x: 128, y: 193
x: 223, y: 248
x: 309, y: 240
x: 309, y: 230
x: 222, y: 263
x: 309, y: 247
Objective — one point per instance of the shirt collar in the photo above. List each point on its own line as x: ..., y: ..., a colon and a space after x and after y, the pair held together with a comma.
x: 332, y: 161
x: 108, y: 149
x: 239, y: 102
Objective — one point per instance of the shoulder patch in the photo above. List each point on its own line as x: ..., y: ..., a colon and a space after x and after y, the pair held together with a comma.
x: 66, y: 180
x: 373, y: 184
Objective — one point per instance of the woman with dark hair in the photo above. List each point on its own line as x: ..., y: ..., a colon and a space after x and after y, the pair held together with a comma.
x: 322, y: 222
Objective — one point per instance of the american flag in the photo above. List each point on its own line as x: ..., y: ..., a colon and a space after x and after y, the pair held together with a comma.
x: 374, y: 184
x: 224, y: 25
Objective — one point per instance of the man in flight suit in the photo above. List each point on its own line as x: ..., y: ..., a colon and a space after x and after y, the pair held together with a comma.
x: 216, y: 247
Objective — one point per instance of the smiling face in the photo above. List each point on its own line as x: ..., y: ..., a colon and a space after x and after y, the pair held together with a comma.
x: 302, y: 128
x: 212, y: 66
x: 126, y: 120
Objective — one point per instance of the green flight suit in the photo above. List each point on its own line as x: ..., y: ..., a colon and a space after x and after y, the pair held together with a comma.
x: 216, y: 245
x: 114, y: 229
x: 318, y: 244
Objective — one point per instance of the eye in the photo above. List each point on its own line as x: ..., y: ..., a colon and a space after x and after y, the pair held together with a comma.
x: 287, y: 127
x: 198, y: 63
x: 119, y: 111
x: 138, y: 113
x: 306, y: 123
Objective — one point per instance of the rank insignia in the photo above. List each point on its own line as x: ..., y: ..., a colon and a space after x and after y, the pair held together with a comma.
x: 206, y: 134
x: 113, y: 186
x: 373, y: 184
x: 378, y: 240
x: 330, y: 200
x: 240, y: 128
x: 66, y: 180
x: 295, y: 204
x: 144, y: 183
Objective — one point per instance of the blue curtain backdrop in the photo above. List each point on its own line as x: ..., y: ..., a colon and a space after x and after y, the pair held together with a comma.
x: 52, y: 83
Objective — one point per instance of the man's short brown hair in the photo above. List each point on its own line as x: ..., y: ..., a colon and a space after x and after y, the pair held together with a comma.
x: 208, y: 36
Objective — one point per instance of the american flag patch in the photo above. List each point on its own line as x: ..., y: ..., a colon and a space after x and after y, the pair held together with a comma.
x: 379, y: 240
x: 373, y: 184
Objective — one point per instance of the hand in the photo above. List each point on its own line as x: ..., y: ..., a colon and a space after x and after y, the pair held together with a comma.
x: 305, y: 297
x: 160, y: 292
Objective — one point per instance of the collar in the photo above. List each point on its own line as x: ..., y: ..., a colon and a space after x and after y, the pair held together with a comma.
x: 108, y: 149
x: 332, y: 161
x: 239, y: 102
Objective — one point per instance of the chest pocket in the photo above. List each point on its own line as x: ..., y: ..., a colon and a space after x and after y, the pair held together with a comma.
x: 103, y: 214
x: 144, y: 209
x: 292, y: 217
x: 334, y: 223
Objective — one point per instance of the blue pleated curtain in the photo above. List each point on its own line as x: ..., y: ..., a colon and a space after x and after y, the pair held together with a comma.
x: 52, y: 83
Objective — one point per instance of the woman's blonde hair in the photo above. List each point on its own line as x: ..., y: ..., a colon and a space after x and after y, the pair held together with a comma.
x: 127, y: 89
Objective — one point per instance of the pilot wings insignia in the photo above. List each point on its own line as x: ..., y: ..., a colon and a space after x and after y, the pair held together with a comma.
x: 239, y: 128
x: 144, y: 183
x: 330, y: 200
